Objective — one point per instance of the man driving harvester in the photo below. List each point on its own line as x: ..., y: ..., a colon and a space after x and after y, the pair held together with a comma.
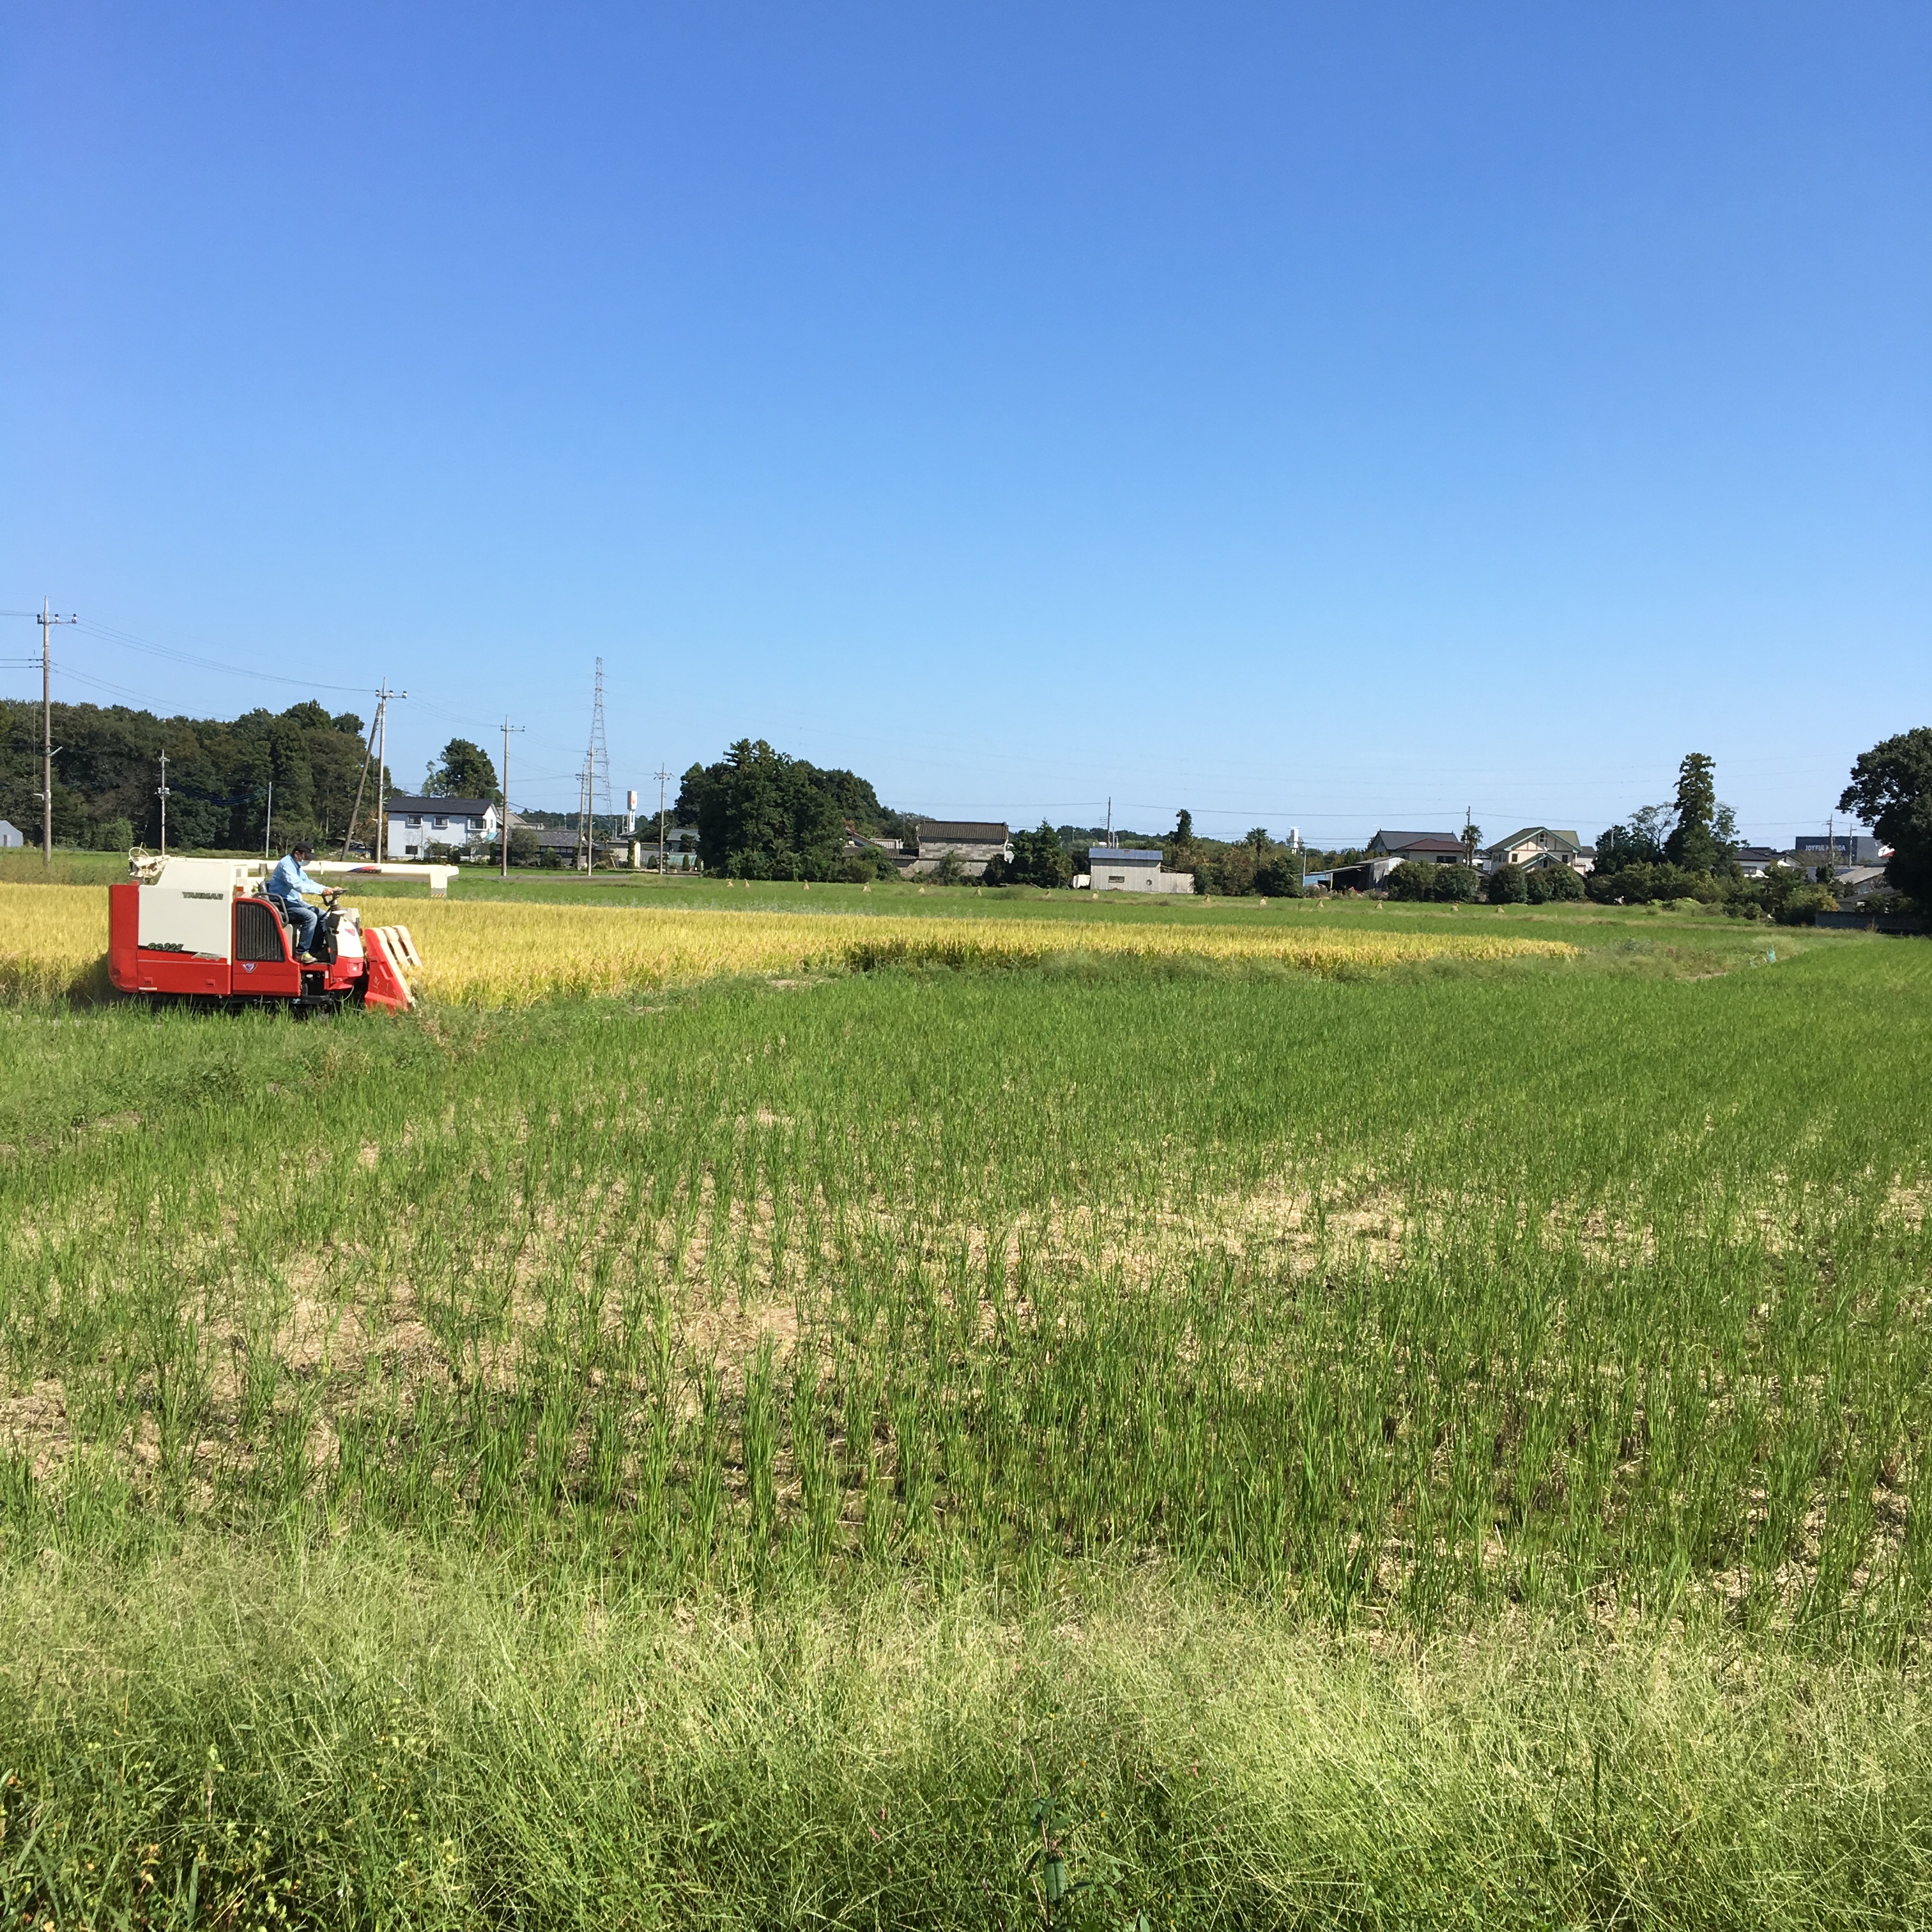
x: 287, y: 884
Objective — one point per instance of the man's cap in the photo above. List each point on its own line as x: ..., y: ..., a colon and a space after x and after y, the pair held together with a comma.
x: 304, y: 848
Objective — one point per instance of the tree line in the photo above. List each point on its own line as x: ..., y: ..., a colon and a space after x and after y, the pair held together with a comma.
x: 107, y: 775
x: 224, y: 776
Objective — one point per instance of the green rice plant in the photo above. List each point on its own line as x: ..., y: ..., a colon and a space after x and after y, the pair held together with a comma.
x: 1407, y: 1310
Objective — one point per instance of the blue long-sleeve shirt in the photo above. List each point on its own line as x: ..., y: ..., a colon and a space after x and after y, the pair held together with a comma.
x: 288, y: 881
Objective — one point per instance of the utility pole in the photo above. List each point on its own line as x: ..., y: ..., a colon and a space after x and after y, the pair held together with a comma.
x: 586, y: 812
x: 382, y: 775
x: 268, y: 822
x: 663, y: 778
x: 356, y: 810
x: 381, y: 734
x: 47, y: 622
x: 161, y: 793
x: 507, y: 728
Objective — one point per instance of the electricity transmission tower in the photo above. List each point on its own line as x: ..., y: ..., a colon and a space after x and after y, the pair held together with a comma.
x: 596, y: 773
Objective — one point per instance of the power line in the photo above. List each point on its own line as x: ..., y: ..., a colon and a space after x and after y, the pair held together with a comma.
x: 129, y: 641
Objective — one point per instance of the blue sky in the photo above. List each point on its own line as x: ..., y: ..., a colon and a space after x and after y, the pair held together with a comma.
x: 1317, y: 416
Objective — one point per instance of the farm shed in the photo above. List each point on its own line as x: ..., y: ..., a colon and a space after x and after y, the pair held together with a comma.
x: 1119, y: 869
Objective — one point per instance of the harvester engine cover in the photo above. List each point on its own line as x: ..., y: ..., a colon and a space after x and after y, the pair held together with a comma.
x: 202, y: 930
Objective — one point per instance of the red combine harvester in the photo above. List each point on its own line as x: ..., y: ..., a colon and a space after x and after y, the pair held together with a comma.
x: 201, y: 930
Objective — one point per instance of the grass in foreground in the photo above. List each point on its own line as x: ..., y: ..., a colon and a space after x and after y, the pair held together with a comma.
x: 363, y: 1737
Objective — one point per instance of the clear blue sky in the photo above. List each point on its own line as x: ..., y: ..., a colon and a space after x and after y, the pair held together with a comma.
x: 1329, y: 416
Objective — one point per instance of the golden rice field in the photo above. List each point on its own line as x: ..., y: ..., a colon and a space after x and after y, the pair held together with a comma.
x: 489, y: 953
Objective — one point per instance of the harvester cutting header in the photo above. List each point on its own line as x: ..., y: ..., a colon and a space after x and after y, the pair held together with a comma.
x: 209, y: 931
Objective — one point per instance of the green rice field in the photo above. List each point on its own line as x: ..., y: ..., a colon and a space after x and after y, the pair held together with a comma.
x: 1114, y: 1443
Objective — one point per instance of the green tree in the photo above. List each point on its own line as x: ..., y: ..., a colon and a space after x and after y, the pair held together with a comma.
x: 465, y: 772
x: 1472, y: 839
x: 1279, y: 876
x: 1039, y: 859
x: 1232, y: 869
x: 1418, y: 879
x: 524, y: 848
x: 1639, y: 842
x: 762, y: 815
x: 1507, y: 885
x: 1551, y: 882
x: 1693, y: 843
x: 1891, y: 791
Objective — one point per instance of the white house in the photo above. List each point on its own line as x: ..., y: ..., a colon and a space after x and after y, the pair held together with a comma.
x: 10, y: 834
x: 415, y: 824
x: 1120, y: 868
x: 1540, y: 845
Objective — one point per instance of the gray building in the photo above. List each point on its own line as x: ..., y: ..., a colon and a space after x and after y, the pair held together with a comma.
x: 10, y: 834
x: 1132, y: 869
x: 973, y: 842
x: 1848, y: 848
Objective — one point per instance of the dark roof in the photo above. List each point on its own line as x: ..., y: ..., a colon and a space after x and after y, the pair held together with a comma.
x: 1416, y: 841
x: 1124, y: 855
x: 962, y: 832
x: 442, y: 808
